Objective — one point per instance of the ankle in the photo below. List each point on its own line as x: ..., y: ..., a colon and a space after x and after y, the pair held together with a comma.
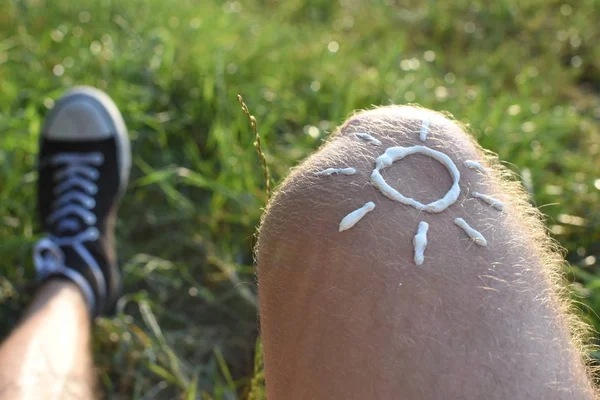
x: 59, y: 291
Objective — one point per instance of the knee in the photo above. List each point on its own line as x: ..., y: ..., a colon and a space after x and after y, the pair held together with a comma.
x: 311, y: 274
x: 306, y: 212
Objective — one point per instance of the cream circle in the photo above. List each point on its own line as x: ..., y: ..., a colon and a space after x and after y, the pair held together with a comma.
x: 397, y: 153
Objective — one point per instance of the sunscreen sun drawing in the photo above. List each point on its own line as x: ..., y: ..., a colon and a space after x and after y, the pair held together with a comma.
x: 397, y: 153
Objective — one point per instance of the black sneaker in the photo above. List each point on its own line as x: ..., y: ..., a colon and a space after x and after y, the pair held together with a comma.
x: 83, y: 166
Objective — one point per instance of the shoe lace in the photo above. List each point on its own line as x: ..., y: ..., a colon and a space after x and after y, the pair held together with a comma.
x: 74, y: 191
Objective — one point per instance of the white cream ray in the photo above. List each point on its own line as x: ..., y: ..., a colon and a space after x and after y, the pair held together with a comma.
x: 420, y: 242
x: 476, y: 166
x: 352, y: 219
x: 368, y: 138
x: 497, y: 204
x: 331, y: 171
x: 424, y: 130
x: 472, y: 233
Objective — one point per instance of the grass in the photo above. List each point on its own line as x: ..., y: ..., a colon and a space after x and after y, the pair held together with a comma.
x: 524, y: 75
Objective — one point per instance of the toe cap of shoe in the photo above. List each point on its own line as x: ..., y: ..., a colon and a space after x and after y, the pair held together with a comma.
x: 82, y: 114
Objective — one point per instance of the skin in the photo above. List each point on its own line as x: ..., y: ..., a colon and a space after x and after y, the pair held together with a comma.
x: 48, y: 355
x: 350, y: 316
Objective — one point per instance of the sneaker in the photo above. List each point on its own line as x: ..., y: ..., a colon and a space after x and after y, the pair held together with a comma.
x: 84, y: 162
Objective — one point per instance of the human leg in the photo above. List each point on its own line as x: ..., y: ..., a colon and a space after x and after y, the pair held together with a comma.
x: 83, y: 168
x: 48, y: 355
x: 352, y: 315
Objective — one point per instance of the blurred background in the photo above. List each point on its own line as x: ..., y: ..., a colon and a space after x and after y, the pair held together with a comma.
x: 523, y: 74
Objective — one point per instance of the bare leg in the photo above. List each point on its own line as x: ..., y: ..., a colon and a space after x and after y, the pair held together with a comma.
x: 349, y: 315
x: 83, y: 169
x: 48, y: 356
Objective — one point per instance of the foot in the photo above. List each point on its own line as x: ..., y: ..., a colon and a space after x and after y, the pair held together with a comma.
x: 83, y: 166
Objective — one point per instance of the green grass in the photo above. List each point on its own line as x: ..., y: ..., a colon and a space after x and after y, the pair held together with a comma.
x: 524, y: 75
